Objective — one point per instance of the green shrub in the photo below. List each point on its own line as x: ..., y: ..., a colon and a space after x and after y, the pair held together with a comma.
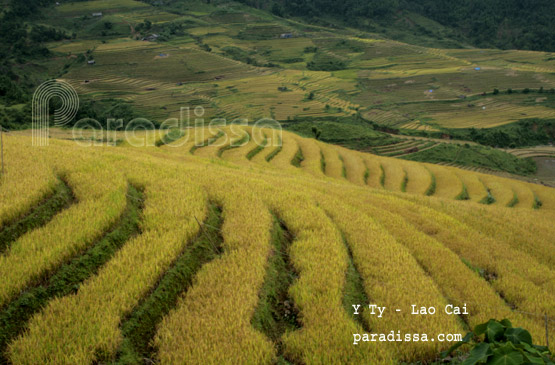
x: 537, y: 202
x: 501, y: 344
x: 488, y: 199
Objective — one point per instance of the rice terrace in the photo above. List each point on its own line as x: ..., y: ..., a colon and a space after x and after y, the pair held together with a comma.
x: 280, y: 182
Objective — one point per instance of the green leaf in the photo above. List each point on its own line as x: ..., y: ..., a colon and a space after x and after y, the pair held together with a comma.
x: 542, y: 349
x: 534, y: 359
x: 505, y: 322
x: 518, y: 335
x: 479, y: 353
x: 506, y: 355
x: 494, y: 331
x: 481, y: 329
x: 528, y: 348
x: 465, y: 340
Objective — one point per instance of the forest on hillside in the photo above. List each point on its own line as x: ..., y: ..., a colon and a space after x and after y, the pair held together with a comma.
x: 508, y: 24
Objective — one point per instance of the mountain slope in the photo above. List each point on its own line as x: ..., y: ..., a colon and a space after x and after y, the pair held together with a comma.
x: 340, y: 238
x: 493, y: 23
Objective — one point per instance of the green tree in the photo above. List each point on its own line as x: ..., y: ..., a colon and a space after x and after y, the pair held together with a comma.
x: 277, y: 10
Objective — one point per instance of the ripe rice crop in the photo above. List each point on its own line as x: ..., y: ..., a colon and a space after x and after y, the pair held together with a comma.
x: 40, y: 251
x: 27, y: 180
x: 199, y: 330
x: 90, y: 329
x: 405, y: 248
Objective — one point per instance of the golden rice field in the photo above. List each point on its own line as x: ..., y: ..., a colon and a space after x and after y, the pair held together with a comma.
x: 394, y: 225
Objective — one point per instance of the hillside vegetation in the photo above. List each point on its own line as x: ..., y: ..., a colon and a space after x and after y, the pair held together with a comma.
x: 346, y: 225
x: 239, y: 242
x: 237, y: 62
x: 231, y: 60
x: 486, y: 24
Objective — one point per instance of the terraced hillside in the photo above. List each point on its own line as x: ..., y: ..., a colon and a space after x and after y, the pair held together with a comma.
x: 249, y: 248
x: 541, y: 151
x: 405, y: 147
x: 233, y: 61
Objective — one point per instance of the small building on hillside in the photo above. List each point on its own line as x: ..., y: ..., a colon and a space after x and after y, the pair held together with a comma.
x: 286, y: 35
x: 98, y: 14
x: 151, y: 38
x: 91, y: 62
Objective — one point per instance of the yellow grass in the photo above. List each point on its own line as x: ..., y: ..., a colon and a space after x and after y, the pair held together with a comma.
x: 320, y: 258
x: 289, y: 148
x: 394, y: 174
x: 379, y: 257
x: 374, y: 171
x: 354, y: 166
x: 100, y: 192
x: 443, y: 265
x: 74, y: 329
x: 26, y: 180
x: 312, y: 156
x: 420, y: 178
x: 334, y: 166
x: 407, y: 248
x: 475, y: 188
x: 515, y: 270
x: 275, y: 140
x: 219, y: 306
x: 238, y: 155
x: 502, y: 192
x: 448, y: 183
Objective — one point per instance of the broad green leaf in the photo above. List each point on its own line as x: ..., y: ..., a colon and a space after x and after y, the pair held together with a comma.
x: 494, y: 331
x: 505, y: 322
x: 465, y: 340
x: 481, y: 329
x: 506, y: 355
x: 480, y: 353
x: 542, y: 349
x: 528, y: 348
x: 518, y: 335
x: 512, y: 358
x: 533, y: 359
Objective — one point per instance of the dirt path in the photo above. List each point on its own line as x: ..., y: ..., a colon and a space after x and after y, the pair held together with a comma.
x: 133, y: 32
